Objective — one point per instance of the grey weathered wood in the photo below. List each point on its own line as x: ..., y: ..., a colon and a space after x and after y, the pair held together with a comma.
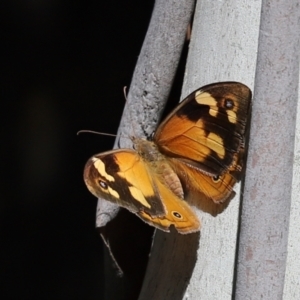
x: 148, y: 93
x: 152, y: 79
x: 292, y: 271
x: 267, y: 196
x: 223, y: 47
x: 155, y: 70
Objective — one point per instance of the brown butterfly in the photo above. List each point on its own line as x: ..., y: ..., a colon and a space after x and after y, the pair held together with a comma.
x: 195, y: 156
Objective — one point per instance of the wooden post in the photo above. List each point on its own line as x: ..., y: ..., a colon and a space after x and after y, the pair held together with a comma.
x: 223, y: 47
x: 268, y: 185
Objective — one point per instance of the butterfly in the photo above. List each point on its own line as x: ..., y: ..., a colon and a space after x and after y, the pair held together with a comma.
x: 194, y: 158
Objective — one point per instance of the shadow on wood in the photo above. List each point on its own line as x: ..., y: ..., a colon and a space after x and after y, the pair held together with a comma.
x: 170, y: 266
x: 129, y: 241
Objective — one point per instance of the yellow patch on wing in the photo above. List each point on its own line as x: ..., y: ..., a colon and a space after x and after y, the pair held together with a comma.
x: 138, y: 196
x: 113, y: 192
x: 232, y: 118
x: 213, y: 112
x: 207, y: 99
x: 133, y: 170
x: 215, y: 142
x: 100, y: 167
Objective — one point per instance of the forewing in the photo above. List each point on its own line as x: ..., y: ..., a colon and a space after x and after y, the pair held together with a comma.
x: 207, y: 128
x: 121, y: 176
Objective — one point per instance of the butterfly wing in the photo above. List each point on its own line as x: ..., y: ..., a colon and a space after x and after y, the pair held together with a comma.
x: 211, y: 194
x: 123, y: 177
x: 178, y: 213
x: 204, y: 140
x: 207, y: 128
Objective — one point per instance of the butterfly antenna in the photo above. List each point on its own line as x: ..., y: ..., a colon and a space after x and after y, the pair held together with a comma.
x: 96, y: 132
x: 101, y: 133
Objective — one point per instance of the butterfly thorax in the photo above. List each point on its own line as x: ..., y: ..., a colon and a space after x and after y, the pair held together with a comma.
x: 149, y: 152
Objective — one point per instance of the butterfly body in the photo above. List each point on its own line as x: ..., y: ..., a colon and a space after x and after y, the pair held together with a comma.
x: 159, y: 164
x: 195, y: 157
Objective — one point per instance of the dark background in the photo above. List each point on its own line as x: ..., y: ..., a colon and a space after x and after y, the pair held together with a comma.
x: 63, y: 68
